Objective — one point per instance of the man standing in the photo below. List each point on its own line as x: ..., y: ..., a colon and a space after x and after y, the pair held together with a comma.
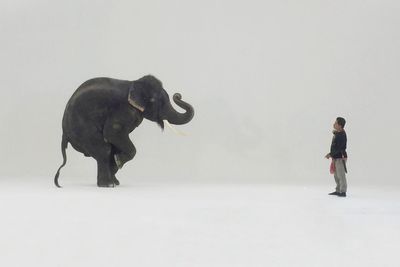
x: 339, y: 157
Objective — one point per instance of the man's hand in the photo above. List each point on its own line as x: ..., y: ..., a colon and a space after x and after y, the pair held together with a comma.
x: 328, y: 156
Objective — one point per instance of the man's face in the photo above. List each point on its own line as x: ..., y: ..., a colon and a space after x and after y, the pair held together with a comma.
x: 336, y: 126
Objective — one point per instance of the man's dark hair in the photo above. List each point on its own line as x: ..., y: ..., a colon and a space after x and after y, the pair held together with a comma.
x: 341, y: 121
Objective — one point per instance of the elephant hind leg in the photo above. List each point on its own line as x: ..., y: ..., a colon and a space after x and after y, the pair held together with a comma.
x: 102, y: 153
x: 104, y: 177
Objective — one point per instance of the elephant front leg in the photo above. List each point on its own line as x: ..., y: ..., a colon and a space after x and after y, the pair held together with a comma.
x: 113, y: 166
x: 119, y: 139
x: 127, y: 151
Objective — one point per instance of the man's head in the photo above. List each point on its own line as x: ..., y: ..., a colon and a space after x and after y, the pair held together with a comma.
x: 339, y: 124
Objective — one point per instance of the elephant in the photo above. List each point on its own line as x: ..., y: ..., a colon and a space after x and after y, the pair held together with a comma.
x: 103, y: 111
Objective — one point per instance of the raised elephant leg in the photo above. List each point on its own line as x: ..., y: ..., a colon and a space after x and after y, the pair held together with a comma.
x: 113, y: 165
x: 119, y: 139
x: 126, y: 150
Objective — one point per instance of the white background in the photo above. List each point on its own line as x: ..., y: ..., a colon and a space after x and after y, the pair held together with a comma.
x: 266, y: 78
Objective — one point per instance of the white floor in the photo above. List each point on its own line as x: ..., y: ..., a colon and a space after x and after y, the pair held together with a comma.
x: 196, y: 225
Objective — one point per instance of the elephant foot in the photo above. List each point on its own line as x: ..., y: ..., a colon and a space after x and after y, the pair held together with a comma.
x: 106, y: 184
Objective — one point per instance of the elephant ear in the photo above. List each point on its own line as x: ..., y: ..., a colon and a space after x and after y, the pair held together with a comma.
x: 135, y: 97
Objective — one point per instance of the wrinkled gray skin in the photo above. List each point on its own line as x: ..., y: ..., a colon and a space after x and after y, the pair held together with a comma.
x: 98, y: 119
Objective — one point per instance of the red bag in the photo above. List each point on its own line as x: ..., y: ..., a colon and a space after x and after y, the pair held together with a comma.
x: 332, y: 167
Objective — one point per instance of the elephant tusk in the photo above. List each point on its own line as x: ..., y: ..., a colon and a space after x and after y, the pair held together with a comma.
x: 174, y: 129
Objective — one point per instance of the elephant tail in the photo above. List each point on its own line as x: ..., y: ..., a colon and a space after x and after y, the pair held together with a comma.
x: 64, y: 144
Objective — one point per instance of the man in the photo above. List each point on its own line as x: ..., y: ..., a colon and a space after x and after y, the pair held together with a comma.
x: 339, y: 157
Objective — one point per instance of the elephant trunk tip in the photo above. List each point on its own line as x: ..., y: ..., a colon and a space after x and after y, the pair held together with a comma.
x: 177, y: 96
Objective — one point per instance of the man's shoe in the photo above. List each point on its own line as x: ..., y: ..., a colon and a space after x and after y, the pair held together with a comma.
x: 341, y: 194
x: 334, y: 193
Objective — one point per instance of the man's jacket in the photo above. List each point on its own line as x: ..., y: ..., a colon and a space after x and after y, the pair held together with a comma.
x: 338, y: 146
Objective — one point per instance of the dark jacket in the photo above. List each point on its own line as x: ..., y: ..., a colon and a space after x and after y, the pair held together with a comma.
x: 338, y: 147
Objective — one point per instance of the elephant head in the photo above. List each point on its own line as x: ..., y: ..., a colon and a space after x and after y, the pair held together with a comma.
x: 148, y: 95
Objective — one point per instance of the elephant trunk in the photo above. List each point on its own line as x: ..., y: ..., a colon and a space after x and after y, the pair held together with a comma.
x: 173, y: 116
